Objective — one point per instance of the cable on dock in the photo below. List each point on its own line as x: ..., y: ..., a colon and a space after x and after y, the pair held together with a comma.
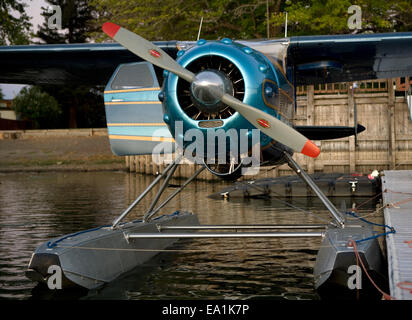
x: 405, y: 285
x: 396, y: 204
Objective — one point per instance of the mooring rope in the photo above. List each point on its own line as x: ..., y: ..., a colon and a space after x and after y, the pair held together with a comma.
x: 356, y: 209
x: 396, y: 204
x: 386, y: 296
x: 388, y: 205
x: 405, y: 285
x: 399, y: 192
x: 391, y: 229
x: 367, y: 215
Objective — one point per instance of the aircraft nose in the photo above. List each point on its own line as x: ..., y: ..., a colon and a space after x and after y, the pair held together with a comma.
x: 208, y: 88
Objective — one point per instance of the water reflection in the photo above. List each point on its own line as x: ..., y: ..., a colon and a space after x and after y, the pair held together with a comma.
x: 36, y: 207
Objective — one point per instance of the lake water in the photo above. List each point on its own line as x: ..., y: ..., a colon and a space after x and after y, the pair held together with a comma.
x: 35, y: 207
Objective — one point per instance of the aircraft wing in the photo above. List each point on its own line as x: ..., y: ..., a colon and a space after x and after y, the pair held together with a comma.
x: 345, y: 58
x: 307, y: 60
x: 78, y: 64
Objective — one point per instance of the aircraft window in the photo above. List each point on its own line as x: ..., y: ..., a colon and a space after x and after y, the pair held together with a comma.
x: 130, y: 76
x: 277, y: 99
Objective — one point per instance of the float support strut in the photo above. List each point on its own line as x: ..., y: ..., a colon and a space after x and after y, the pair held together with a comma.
x: 146, y: 191
x: 305, y: 177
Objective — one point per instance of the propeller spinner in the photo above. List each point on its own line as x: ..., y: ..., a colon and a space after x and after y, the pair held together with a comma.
x: 207, y: 90
x: 211, y: 91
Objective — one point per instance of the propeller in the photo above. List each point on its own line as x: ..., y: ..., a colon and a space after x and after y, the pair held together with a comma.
x: 269, y: 125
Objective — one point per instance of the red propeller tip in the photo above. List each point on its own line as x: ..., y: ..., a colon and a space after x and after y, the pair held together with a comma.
x: 310, y: 149
x: 110, y: 29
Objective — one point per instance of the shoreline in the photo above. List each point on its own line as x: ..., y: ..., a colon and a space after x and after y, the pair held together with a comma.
x: 64, y: 168
x: 73, y: 151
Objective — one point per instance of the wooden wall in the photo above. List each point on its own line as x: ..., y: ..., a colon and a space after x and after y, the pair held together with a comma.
x: 385, y: 144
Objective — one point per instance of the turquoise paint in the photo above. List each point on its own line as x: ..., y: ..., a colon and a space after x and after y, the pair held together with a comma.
x: 127, y: 113
x: 152, y: 95
x: 254, y: 67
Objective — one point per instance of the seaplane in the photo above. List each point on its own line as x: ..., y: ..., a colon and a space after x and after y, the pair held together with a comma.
x: 158, y: 92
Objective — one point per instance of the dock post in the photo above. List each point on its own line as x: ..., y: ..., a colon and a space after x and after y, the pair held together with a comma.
x: 136, y: 164
x: 310, y: 121
x: 391, y: 123
x: 351, y: 119
x: 132, y: 165
x: 127, y: 158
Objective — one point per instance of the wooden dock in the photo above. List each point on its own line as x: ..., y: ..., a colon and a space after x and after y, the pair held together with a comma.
x: 385, y: 145
x: 397, y: 197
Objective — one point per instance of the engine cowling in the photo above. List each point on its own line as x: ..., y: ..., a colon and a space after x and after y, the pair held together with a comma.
x: 224, y: 66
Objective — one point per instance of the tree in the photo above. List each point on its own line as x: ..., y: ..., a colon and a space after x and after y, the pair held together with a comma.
x: 34, y: 104
x: 14, y: 30
x: 1, y: 94
x: 247, y: 19
x: 311, y: 17
x: 179, y: 20
x: 76, y: 15
x: 82, y: 105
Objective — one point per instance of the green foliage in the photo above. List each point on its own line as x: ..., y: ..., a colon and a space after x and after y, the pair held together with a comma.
x: 14, y: 22
x: 180, y: 20
x: 387, y: 16
x: 1, y: 94
x: 247, y: 19
x: 34, y: 104
x: 313, y: 17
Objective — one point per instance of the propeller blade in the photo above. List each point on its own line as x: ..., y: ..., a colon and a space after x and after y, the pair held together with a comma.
x: 268, y: 124
x: 273, y: 127
x: 146, y: 50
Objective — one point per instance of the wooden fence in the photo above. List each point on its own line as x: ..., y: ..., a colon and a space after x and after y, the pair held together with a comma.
x: 385, y: 144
